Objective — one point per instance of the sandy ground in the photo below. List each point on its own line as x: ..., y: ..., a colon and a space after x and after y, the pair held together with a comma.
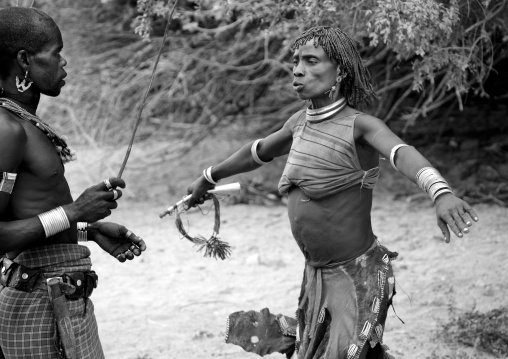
x: 173, y: 303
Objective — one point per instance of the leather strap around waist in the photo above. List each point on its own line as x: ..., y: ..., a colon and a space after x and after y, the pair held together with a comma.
x: 76, y: 284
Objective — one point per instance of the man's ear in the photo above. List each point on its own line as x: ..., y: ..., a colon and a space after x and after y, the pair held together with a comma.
x: 23, y: 60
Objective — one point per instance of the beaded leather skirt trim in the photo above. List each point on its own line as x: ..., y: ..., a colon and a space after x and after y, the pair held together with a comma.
x: 343, y: 308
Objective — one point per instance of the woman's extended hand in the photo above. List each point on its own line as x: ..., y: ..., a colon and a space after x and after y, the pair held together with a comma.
x: 454, y: 213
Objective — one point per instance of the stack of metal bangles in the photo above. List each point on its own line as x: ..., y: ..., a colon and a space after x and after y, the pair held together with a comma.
x: 430, y: 180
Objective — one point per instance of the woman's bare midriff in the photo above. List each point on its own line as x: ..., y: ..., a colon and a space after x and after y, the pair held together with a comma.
x: 333, y: 229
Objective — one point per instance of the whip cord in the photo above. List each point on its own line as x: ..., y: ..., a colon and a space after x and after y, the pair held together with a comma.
x: 138, y: 120
x: 213, y: 246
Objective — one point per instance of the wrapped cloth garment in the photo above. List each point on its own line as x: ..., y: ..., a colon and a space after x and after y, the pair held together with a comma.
x: 344, y: 307
x: 341, y: 310
x: 27, y: 321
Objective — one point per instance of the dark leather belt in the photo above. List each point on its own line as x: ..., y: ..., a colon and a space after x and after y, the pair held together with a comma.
x: 74, y: 285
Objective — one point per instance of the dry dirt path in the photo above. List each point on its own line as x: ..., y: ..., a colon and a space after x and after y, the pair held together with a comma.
x: 173, y: 303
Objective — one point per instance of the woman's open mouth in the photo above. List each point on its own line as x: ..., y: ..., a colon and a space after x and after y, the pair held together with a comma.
x: 297, y: 87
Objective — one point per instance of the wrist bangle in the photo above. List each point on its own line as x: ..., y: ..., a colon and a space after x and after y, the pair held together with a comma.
x: 54, y: 221
x: 431, y: 181
x: 207, y: 173
x: 82, y: 232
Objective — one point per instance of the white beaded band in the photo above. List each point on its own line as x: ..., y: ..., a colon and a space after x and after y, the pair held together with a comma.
x: 254, y: 152
x: 54, y: 221
x: 82, y: 232
x: 207, y: 173
x: 7, y: 182
x: 393, y: 152
x: 430, y: 180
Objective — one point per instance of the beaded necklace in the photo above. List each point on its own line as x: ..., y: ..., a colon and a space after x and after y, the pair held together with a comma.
x: 60, y: 142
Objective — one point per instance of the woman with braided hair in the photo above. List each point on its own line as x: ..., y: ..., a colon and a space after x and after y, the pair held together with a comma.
x: 331, y: 170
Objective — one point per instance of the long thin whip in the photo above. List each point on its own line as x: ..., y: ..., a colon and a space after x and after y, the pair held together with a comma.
x: 146, y: 93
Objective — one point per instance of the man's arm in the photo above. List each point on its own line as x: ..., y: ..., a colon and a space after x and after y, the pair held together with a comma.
x: 275, y: 145
x: 451, y: 211
x: 94, y: 204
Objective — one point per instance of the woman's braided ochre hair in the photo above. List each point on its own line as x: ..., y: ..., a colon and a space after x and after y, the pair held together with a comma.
x: 356, y: 86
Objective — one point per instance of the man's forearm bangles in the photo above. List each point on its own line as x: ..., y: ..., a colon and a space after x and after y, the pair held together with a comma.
x: 54, y: 221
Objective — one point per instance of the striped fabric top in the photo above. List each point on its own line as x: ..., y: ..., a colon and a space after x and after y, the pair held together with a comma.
x: 323, y: 159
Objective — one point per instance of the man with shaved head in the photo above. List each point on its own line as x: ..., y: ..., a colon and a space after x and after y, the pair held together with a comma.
x: 46, y: 277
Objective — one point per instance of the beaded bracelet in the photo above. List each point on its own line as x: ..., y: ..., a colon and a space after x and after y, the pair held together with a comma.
x: 54, y: 221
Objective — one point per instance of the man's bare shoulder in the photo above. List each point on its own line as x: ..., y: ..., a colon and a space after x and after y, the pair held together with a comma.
x: 8, y: 120
x: 13, y: 140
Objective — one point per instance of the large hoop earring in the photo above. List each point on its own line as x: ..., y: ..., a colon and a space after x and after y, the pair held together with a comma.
x: 23, y: 85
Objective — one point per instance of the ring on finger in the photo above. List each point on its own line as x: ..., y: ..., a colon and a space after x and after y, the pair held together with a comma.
x: 108, y: 184
x: 115, y: 194
x: 128, y: 234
